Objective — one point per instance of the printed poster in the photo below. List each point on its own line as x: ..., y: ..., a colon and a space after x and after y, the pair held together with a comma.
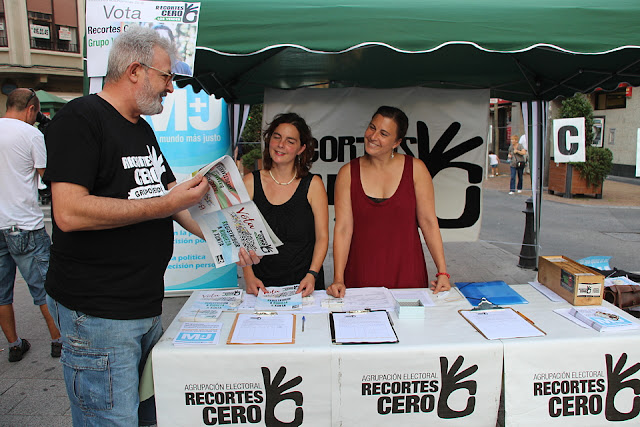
x: 192, y: 130
x: 176, y: 21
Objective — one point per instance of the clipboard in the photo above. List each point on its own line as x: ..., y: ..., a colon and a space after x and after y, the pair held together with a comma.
x: 343, y: 335
x: 495, y: 322
x: 233, y: 340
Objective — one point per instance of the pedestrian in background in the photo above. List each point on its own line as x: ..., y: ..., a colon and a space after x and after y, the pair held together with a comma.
x: 493, y: 161
x: 24, y: 242
x: 517, y: 160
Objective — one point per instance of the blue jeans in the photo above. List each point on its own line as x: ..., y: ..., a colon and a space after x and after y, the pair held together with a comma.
x: 520, y: 171
x: 29, y: 251
x: 103, y: 360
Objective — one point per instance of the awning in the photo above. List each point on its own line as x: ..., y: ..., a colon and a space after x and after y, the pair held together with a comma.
x: 521, y: 50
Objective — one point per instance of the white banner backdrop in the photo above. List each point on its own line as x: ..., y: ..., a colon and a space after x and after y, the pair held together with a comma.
x: 446, y: 130
x: 575, y: 384
x: 569, y: 140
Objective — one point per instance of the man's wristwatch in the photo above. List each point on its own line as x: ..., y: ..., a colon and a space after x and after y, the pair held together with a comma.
x: 313, y: 273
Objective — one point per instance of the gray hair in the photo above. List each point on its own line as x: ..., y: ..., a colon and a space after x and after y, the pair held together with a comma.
x: 135, y: 44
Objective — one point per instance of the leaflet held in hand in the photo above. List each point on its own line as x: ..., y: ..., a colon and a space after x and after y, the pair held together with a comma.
x: 228, y: 217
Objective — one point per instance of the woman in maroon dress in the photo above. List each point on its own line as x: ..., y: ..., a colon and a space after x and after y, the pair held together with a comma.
x: 381, y: 199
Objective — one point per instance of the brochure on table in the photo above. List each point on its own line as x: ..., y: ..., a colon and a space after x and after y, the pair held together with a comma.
x: 208, y: 305
x: 279, y: 298
x: 228, y: 217
x: 196, y: 333
x: 602, y: 319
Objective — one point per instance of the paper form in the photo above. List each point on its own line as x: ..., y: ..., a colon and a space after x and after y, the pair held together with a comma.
x: 365, y: 327
x: 262, y: 329
x: 501, y: 323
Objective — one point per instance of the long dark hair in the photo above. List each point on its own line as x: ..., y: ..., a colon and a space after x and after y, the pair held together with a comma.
x: 397, y: 115
x: 303, y: 162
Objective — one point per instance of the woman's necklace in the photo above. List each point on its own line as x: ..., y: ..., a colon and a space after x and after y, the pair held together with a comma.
x: 295, y: 175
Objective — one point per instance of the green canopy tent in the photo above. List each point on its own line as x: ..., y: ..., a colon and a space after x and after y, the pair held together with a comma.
x: 521, y: 50
x: 527, y: 50
x: 50, y: 104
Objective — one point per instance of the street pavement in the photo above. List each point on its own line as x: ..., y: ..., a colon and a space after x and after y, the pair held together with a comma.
x: 32, y: 391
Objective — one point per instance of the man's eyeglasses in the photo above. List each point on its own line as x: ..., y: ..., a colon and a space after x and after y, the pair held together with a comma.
x: 168, y: 76
x: 33, y: 95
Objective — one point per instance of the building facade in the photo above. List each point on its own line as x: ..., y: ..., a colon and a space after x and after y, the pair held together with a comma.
x: 41, y: 47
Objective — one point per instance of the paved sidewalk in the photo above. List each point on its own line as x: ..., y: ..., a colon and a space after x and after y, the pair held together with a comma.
x: 615, y: 191
x: 32, y: 391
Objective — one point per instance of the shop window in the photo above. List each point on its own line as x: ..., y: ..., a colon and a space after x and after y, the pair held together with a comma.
x: 611, y: 100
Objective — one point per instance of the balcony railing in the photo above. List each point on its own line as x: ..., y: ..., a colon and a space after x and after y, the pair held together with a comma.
x: 59, y: 46
x: 3, y: 42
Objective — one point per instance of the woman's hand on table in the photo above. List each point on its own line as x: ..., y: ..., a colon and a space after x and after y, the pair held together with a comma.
x: 441, y: 284
x: 307, y: 285
x: 337, y: 290
x: 254, y: 284
x: 247, y: 258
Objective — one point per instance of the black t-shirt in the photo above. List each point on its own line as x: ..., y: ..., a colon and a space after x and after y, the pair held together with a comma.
x: 116, y: 273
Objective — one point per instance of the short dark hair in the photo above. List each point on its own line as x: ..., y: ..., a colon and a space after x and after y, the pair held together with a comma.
x: 306, y: 139
x: 20, y: 99
x: 397, y: 115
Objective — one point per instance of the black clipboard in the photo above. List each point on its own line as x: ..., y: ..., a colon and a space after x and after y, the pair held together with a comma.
x: 364, y: 340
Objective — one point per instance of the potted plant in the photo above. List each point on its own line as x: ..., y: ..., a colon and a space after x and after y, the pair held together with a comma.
x: 581, y: 177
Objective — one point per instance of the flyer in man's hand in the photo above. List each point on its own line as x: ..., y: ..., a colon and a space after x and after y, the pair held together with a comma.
x: 228, y: 217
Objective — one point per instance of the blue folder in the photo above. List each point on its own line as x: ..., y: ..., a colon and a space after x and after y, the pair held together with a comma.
x: 497, y: 292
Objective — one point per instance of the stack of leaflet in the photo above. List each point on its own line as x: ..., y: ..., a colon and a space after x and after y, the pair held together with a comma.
x: 497, y: 292
x: 602, y: 319
x: 209, y: 304
x: 192, y: 333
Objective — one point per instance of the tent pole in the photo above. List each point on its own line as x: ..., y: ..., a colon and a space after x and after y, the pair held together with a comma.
x: 540, y: 123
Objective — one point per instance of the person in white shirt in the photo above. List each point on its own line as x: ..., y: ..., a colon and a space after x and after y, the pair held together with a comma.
x: 24, y: 242
x: 494, y: 162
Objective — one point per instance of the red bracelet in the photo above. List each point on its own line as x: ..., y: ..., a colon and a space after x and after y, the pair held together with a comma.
x: 444, y: 274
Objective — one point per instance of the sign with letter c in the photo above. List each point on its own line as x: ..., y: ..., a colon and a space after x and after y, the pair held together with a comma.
x: 569, y: 140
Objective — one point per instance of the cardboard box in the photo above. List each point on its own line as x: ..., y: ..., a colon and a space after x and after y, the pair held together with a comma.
x: 574, y: 282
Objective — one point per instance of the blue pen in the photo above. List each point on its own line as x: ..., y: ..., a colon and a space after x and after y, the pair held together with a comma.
x: 303, y: 319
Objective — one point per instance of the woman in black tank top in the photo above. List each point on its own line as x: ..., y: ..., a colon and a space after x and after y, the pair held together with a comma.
x: 294, y: 204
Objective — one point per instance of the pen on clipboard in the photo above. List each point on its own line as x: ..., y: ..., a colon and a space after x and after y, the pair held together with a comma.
x: 525, y: 318
x: 303, y: 320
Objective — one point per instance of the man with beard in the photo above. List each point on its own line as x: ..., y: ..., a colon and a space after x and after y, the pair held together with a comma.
x: 113, y: 229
